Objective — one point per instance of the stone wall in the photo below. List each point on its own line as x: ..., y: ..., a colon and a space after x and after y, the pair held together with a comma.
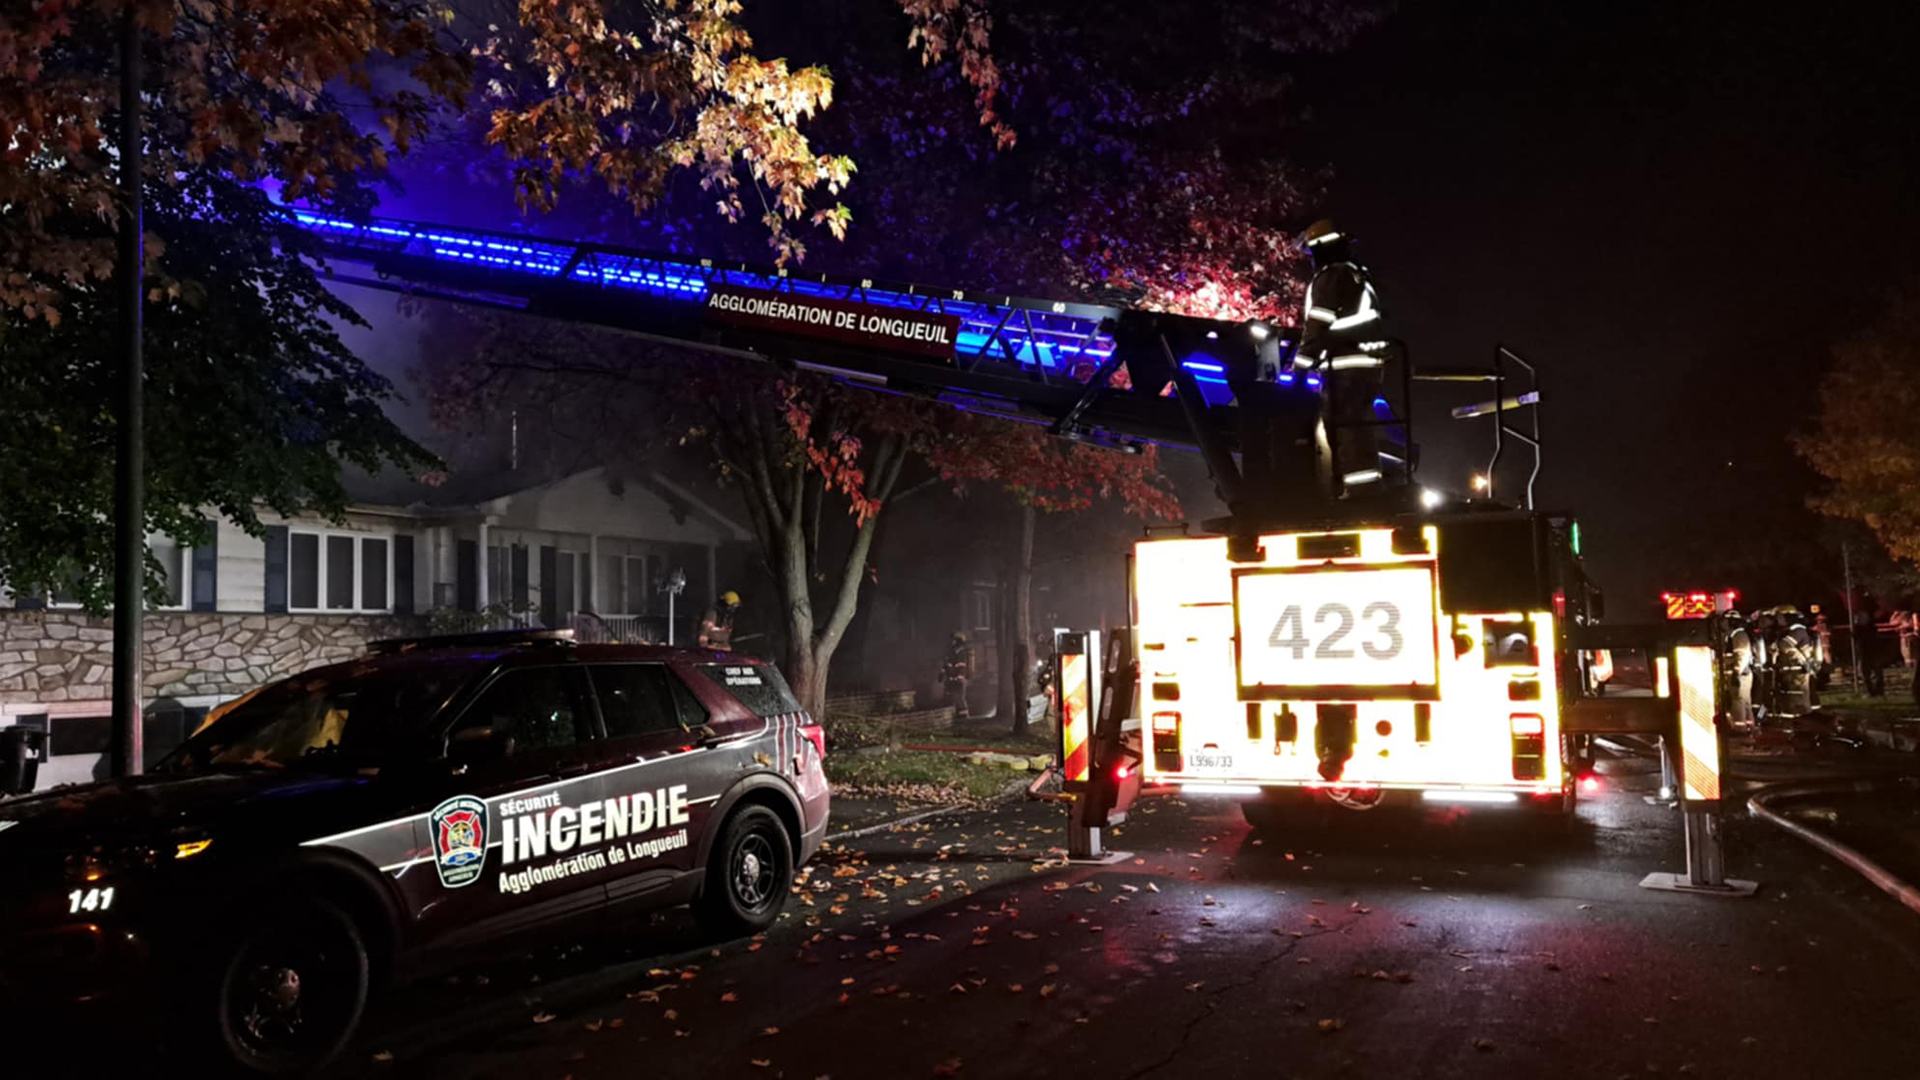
x: 49, y: 656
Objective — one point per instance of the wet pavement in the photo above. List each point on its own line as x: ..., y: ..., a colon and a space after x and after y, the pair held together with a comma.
x: 1442, y: 945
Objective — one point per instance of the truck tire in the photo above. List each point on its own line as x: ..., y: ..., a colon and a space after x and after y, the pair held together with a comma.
x: 282, y: 994
x: 749, y: 876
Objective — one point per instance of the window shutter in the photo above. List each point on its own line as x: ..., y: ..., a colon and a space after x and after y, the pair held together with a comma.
x: 549, y: 585
x: 467, y: 576
x: 403, y: 575
x: 276, y: 568
x: 206, y: 563
x: 518, y: 593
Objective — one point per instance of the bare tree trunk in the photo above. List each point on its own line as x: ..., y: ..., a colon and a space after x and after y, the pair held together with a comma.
x: 1016, y: 650
x: 792, y: 548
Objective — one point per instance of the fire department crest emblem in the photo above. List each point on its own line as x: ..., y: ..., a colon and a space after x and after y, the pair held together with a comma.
x: 459, y: 828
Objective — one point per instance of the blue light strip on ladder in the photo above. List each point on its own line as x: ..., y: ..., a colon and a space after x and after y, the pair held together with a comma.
x: 1056, y: 341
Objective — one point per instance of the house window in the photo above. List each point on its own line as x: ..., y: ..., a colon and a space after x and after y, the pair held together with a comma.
x: 982, y: 610
x: 507, y: 575
x: 637, y: 582
x: 176, y: 562
x: 339, y: 571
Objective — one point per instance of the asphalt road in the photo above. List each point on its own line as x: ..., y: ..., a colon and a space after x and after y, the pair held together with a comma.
x: 1462, y: 946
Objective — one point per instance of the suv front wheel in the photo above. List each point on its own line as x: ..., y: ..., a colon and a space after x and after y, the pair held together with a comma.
x: 749, y: 876
x: 287, y: 991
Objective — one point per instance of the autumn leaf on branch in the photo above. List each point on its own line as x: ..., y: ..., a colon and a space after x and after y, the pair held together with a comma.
x: 1866, y: 438
x: 679, y: 88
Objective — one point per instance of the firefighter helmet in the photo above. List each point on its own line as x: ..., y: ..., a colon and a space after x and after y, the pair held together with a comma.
x: 730, y: 598
x: 1321, y: 232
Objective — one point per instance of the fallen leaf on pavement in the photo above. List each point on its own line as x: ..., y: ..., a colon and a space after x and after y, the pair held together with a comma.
x: 543, y: 1018
x: 1485, y: 1046
x: 1328, y: 1027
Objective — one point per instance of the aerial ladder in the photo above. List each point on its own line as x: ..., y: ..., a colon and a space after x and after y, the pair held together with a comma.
x: 1463, y: 673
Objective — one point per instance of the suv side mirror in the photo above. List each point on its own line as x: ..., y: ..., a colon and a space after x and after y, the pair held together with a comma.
x: 479, y: 745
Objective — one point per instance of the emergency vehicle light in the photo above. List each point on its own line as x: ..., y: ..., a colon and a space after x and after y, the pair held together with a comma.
x: 1166, y: 721
x: 1049, y: 339
x: 1203, y: 788
x: 1528, y: 725
x: 1444, y: 795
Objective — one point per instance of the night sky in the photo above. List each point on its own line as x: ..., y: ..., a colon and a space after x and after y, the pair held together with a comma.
x: 1673, y: 209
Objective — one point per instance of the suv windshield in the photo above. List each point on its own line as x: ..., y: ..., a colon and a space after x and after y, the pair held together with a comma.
x: 334, y: 719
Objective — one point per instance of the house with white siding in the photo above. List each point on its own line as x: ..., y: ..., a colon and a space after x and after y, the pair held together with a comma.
x: 589, y: 550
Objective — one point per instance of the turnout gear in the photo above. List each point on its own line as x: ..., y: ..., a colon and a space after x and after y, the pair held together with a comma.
x: 1341, y: 343
x: 955, y: 672
x: 716, y: 623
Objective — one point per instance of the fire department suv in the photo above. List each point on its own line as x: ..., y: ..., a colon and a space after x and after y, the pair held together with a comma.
x: 396, y: 812
x: 1414, y: 657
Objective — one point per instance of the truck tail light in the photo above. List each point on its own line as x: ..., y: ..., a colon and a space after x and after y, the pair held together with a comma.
x: 1526, y: 724
x: 1164, y: 722
x: 816, y: 735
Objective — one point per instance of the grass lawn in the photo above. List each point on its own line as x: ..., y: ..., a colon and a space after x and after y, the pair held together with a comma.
x: 927, y: 775
x: 1039, y: 739
x: 1897, y: 704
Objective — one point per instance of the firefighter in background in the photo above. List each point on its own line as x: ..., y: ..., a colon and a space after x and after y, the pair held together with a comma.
x: 1342, y: 342
x: 1867, y: 639
x: 716, y: 623
x: 955, y: 672
x: 1907, y: 627
x: 1741, y: 661
x: 1794, y: 664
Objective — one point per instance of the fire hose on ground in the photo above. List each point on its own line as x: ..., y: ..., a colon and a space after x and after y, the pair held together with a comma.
x: 1882, y: 878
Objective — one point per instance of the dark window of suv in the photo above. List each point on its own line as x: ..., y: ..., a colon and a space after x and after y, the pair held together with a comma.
x: 758, y: 686
x: 641, y: 699
x: 343, y: 718
x: 537, y: 706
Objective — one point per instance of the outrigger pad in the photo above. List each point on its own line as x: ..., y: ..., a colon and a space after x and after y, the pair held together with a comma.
x: 1734, y: 888
x: 1107, y: 859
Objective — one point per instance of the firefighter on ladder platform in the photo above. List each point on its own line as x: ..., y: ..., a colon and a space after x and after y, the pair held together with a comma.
x: 1342, y: 344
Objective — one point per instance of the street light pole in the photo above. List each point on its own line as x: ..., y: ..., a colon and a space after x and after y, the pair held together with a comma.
x: 129, y: 489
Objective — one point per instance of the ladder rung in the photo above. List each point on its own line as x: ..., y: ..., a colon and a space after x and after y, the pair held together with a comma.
x: 1488, y: 408
x: 1454, y: 374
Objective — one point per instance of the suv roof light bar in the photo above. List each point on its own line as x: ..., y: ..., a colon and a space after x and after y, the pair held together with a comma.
x: 495, y: 638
